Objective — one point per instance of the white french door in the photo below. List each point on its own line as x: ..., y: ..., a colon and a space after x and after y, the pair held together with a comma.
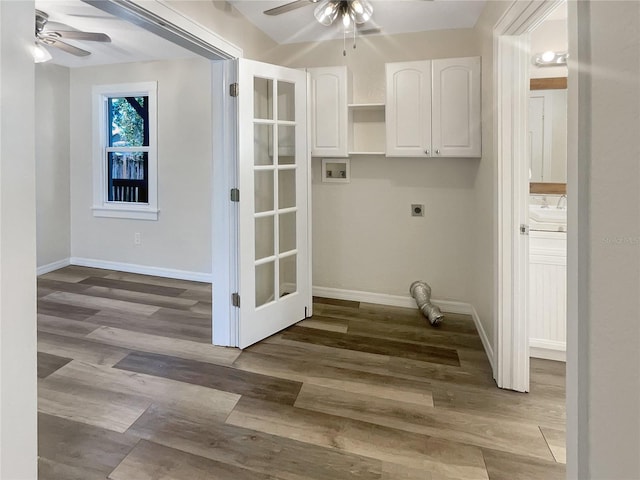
x: 273, y: 235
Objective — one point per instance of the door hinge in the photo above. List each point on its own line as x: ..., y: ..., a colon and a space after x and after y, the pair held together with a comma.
x: 234, y: 89
x: 235, y: 299
x: 524, y: 229
x: 235, y: 195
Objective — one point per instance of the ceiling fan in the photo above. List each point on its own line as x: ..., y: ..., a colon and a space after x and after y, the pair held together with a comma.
x: 351, y: 12
x: 345, y: 5
x: 54, y: 38
x: 358, y: 11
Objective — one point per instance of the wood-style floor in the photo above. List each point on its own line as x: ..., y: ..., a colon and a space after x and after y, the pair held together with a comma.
x: 130, y: 389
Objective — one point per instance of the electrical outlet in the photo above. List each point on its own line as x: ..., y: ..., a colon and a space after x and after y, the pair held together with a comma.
x: 137, y: 238
x: 417, y: 210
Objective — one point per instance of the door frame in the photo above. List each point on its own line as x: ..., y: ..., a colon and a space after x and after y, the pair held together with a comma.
x: 224, y: 213
x: 511, y: 90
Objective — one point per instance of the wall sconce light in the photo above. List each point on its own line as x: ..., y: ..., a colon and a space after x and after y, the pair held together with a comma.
x: 550, y: 59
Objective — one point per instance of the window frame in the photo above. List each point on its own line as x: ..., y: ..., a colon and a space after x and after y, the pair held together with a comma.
x: 102, y: 207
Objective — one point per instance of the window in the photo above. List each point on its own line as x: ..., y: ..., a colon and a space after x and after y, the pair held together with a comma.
x: 125, y: 151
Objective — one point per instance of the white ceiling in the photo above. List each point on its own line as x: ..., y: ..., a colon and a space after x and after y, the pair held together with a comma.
x: 392, y: 16
x: 129, y: 43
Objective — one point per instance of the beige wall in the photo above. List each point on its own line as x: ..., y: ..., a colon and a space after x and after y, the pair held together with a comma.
x: 364, y: 237
x: 18, y: 420
x: 605, y: 175
x: 52, y: 164
x: 181, y: 237
x: 372, y: 52
x: 484, y: 205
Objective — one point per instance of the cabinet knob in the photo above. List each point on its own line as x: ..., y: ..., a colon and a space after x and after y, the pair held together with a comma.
x: 437, y: 152
x: 427, y: 151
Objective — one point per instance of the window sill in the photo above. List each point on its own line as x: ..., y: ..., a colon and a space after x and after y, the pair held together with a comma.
x: 136, y: 213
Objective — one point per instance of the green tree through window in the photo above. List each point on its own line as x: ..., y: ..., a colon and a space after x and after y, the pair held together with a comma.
x: 128, y: 124
x: 128, y: 120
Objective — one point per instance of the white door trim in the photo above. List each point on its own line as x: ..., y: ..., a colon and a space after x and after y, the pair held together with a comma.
x: 224, y: 236
x: 511, y: 59
x: 159, y: 17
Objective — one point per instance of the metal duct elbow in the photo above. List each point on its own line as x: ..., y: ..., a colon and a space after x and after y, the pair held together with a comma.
x: 422, y: 294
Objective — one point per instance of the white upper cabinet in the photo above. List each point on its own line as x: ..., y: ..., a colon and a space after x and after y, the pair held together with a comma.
x: 408, y: 109
x: 433, y: 108
x: 329, y: 112
x: 455, y: 113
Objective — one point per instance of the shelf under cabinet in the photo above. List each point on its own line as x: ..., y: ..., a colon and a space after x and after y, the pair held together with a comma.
x: 367, y: 153
x: 366, y: 106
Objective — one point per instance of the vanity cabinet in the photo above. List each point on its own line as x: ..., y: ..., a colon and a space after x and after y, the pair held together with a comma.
x: 433, y: 108
x: 548, y: 295
x: 329, y: 95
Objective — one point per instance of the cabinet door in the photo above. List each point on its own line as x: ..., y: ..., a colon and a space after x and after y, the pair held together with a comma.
x: 456, y: 107
x: 408, y: 109
x: 329, y: 92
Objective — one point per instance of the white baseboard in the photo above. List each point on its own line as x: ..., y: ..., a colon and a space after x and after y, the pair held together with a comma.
x: 50, y: 267
x: 142, y: 269
x: 408, y: 302
x: 365, y: 297
x: 488, y: 349
x: 548, y: 349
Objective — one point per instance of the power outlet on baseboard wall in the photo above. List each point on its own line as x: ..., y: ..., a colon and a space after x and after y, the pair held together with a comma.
x: 137, y: 238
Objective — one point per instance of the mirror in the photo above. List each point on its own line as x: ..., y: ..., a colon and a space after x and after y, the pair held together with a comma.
x: 548, y: 135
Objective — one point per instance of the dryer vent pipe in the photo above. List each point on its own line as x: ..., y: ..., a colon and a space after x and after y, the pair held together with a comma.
x: 422, y: 293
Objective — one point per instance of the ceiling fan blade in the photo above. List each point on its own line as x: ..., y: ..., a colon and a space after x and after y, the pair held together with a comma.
x: 54, y: 42
x: 287, y: 7
x: 78, y: 35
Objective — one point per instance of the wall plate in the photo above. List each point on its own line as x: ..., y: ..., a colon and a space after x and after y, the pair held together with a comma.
x: 336, y: 170
x: 417, y: 210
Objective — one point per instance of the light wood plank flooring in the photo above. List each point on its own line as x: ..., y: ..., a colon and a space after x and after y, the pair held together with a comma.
x: 130, y: 389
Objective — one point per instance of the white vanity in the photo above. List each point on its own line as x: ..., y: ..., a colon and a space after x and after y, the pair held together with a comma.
x: 548, y: 280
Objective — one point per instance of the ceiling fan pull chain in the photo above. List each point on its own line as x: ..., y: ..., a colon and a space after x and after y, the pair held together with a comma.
x: 355, y: 27
x: 344, y: 42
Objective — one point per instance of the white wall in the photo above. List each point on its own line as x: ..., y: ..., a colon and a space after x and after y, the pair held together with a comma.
x: 18, y: 423
x: 558, y: 171
x: 364, y: 237
x: 604, y: 250
x: 181, y: 237
x: 223, y: 19
x: 52, y: 164
x: 550, y: 35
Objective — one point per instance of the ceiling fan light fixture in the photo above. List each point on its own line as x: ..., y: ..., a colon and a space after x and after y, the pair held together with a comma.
x: 346, y: 20
x: 327, y: 12
x: 360, y: 11
x: 40, y: 54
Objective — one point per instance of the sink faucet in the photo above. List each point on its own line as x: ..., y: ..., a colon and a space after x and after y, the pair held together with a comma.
x: 562, y: 202
x: 545, y: 204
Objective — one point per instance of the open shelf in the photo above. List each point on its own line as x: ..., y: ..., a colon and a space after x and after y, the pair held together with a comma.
x: 366, y: 129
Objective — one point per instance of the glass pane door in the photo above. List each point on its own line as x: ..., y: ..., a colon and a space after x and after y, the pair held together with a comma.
x: 275, y: 168
x: 275, y: 189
